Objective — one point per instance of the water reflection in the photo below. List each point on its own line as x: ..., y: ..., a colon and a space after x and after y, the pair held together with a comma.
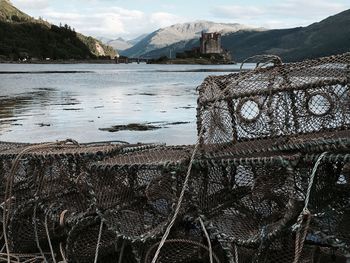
x: 31, y: 106
x: 48, y: 107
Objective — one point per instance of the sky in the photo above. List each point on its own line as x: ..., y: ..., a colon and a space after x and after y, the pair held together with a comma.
x: 131, y: 18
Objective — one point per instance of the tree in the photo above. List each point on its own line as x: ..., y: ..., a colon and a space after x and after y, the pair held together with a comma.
x: 15, y: 18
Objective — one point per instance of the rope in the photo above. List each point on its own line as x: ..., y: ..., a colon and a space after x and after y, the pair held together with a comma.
x: 179, y: 203
x: 312, y: 177
x: 267, y: 58
x: 104, y: 142
x: 62, y: 216
x: 236, y: 253
x: 62, y: 253
x: 98, y: 242
x: 300, y: 237
x: 121, y: 252
x: 36, y: 235
x: 49, y: 239
x: 10, y: 180
x: 208, y: 240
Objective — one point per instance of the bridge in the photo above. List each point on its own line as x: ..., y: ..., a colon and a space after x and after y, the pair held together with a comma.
x: 126, y: 60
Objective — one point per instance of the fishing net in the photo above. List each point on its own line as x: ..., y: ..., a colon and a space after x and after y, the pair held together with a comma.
x: 268, y: 180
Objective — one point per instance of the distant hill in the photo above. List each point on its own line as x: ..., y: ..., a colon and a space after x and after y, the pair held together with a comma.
x: 137, y: 39
x: 118, y: 44
x: 179, y: 33
x: 23, y: 36
x: 9, y: 13
x: 328, y: 37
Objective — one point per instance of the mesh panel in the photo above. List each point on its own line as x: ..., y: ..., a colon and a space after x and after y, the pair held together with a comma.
x: 135, y: 193
x: 279, y: 101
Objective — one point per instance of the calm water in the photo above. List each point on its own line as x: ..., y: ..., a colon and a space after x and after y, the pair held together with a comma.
x: 43, y: 106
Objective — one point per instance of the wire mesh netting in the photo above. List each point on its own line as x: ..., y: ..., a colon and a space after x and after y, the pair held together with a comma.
x: 268, y: 180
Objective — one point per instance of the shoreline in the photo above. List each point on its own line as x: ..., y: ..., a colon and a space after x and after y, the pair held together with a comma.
x: 89, y: 61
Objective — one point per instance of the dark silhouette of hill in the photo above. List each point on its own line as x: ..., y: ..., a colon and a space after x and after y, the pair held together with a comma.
x: 328, y: 37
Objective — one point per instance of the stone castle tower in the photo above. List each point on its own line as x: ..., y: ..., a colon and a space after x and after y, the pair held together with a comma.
x: 210, y: 43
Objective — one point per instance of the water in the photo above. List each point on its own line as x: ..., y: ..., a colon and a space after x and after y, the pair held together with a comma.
x: 38, y: 106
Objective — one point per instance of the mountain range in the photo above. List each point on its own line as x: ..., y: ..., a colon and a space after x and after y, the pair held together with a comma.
x: 180, y: 33
x: 22, y: 36
x: 327, y: 37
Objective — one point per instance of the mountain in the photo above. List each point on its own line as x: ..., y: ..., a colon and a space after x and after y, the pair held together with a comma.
x: 328, y: 37
x: 118, y: 44
x: 10, y: 13
x: 23, y: 36
x: 121, y: 44
x: 137, y: 39
x: 179, y: 33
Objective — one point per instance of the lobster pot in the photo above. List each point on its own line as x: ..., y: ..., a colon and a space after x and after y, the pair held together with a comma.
x: 49, y: 190
x: 186, y: 243
x: 83, y: 240
x: 182, y: 250
x: 281, y: 250
x: 278, y: 137
x: 135, y: 193
x: 6, y: 158
x: 264, y: 107
x: 249, y: 200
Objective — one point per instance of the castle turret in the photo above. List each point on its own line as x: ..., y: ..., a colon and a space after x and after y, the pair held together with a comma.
x: 210, y: 43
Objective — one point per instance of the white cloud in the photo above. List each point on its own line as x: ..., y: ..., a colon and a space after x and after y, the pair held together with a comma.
x: 237, y: 11
x: 96, y: 24
x: 302, y: 8
x: 281, y: 14
x: 163, y: 19
x: 112, y: 21
x: 31, y: 4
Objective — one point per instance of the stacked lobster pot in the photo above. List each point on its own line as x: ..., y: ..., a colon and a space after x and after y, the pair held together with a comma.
x: 135, y: 199
x: 268, y: 180
x: 280, y: 137
x: 45, y: 193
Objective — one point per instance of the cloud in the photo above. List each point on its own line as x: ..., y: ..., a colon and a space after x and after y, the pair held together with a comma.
x: 281, y: 14
x: 97, y: 19
x: 31, y: 4
x: 237, y: 11
x: 163, y: 19
x: 113, y: 21
x: 302, y: 8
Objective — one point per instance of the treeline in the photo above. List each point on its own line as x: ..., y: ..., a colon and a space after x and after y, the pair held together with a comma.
x: 38, y: 41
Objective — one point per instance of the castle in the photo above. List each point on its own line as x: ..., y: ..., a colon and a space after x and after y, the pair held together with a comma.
x: 210, y: 43
x: 210, y: 48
